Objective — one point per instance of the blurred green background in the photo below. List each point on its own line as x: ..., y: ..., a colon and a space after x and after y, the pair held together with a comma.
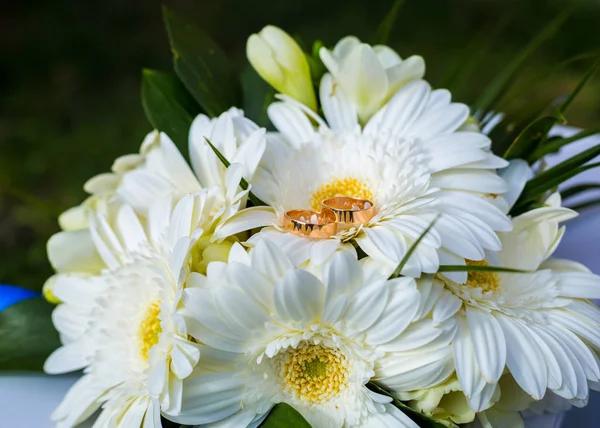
x: 70, y: 75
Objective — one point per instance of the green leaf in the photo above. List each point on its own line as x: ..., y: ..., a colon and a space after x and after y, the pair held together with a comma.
x: 553, y: 177
x: 499, y: 85
x: 201, y: 65
x: 579, y: 188
x: 284, y: 416
x: 412, y: 249
x: 258, y: 94
x: 385, y: 28
x: 168, y: 105
x: 532, y: 136
x: 565, y: 105
x: 418, y: 417
x: 243, y: 183
x: 466, y: 268
x: 28, y: 336
x: 554, y: 145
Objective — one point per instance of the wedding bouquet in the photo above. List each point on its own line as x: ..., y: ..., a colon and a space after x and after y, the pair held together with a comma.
x: 363, y: 252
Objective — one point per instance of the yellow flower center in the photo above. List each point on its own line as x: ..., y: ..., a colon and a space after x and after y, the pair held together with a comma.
x: 149, y: 329
x: 348, y: 186
x: 315, y: 373
x: 487, y: 281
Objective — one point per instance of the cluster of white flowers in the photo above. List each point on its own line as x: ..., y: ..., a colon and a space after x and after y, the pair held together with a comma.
x: 180, y: 299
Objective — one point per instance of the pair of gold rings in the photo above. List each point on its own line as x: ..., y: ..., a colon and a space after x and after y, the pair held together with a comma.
x: 338, y: 213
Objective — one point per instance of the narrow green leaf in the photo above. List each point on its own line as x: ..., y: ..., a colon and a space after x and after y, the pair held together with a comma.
x: 499, y: 85
x: 586, y: 204
x: 541, y: 184
x: 556, y: 144
x: 168, y: 105
x: 412, y: 249
x: 201, y: 65
x: 243, y: 183
x: 532, y: 136
x: 224, y: 161
x: 385, y: 28
x: 28, y: 336
x: 563, y: 169
x: 284, y: 416
x: 592, y: 70
x: 258, y: 94
x: 465, y: 268
x: 418, y: 417
x: 577, y: 189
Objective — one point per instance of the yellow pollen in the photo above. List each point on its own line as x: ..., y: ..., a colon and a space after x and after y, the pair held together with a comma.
x: 149, y: 329
x: 487, y: 281
x: 314, y: 373
x: 348, y: 186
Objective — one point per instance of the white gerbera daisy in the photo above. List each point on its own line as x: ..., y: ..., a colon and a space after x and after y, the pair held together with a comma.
x: 158, y: 173
x: 281, y: 334
x: 409, y: 161
x: 122, y: 326
x: 538, y: 325
x: 369, y: 75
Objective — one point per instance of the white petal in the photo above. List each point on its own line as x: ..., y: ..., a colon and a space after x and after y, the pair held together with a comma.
x: 439, y: 121
x: 524, y: 358
x: 74, y: 251
x: 412, y: 68
x: 516, y: 175
x: 403, y: 303
x: 467, y: 369
x: 130, y: 229
x: 341, y: 276
x: 364, y: 80
x: 446, y: 307
x: 291, y: 122
x: 250, y: 152
x: 580, y: 285
x: 249, y: 218
x: 67, y: 358
x: 210, y: 398
x: 339, y: 112
x: 268, y: 259
x: 488, y: 343
x: 299, y: 296
x: 366, y: 305
x: 405, y: 107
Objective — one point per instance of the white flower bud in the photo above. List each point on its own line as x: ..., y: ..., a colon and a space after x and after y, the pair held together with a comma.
x: 369, y: 75
x: 279, y: 60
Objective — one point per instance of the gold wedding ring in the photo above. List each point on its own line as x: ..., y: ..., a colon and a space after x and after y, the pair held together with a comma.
x: 311, y: 224
x: 350, y: 211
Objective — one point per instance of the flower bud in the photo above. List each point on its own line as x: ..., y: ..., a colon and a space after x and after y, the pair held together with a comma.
x: 369, y: 75
x: 279, y: 60
x: 205, y: 252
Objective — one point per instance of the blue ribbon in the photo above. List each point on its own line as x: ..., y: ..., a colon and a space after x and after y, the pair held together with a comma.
x: 11, y: 294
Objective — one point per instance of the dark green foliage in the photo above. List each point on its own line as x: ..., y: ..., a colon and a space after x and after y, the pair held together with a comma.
x: 27, y: 335
x: 168, y: 105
